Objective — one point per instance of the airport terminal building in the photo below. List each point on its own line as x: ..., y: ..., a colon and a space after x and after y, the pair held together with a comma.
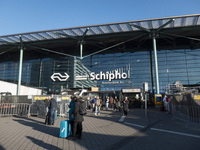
x: 111, y: 57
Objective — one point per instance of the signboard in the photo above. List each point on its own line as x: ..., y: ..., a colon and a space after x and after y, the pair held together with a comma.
x: 131, y: 90
x: 60, y: 77
x: 145, y: 86
x: 65, y: 98
x: 94, y: 89
x: 40, y: 97
x: 118, y: 74
x: 197, y: 97
x: 46, y: 97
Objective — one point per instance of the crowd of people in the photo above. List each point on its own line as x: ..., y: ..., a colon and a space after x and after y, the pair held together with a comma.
x: 76, y: 118
x: 96, y: 104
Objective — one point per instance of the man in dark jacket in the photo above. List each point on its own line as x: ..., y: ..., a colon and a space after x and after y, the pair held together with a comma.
x: 125, y: 105
x: 78, y: 119
x: 52, y: 105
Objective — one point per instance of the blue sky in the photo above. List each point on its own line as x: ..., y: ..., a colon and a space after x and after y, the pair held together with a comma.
x: 21, y: 16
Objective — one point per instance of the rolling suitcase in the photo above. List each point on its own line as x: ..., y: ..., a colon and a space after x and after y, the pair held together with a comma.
x: 65, y: 128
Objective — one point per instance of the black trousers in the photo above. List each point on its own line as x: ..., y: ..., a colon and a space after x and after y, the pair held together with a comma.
x: 72, y: 127
x: 77, y: 129
x: 125, y: 112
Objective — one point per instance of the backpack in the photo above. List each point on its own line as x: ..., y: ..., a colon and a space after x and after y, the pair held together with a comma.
x: 167, y: 99
x: 93, y: 100
x: 82, y: 108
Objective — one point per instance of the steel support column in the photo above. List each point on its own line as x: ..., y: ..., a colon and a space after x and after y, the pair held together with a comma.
x: 153, y: 32
x: 20, y: 67
x: 81, y: 49
x: 156, y: 64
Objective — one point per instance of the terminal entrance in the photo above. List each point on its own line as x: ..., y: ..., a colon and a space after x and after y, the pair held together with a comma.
x: 135, y: 97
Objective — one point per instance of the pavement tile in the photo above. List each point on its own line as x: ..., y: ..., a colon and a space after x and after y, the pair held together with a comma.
x: 103, y: 132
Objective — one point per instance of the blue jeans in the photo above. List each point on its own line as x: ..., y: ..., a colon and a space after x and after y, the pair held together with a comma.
x: 52, y: 118
x: 97, y: 109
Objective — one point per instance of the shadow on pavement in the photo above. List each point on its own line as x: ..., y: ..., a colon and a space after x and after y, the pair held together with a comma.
x: 30, y: 119
x: 2, y: 148
x: 51, y: 130
x: 97, y: 136
x: 43, y: 144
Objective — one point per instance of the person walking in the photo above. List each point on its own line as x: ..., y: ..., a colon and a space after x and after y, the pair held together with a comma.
x: 125, y: 105
x: 93, y: 104
x: 47, y: 104
x: 115, y: 104
x: 103, y: 103
x: 166, y: 103
x: 111, y: 102
x: 119, y: 105
x: 97, y: 106
x: 107, y: 102
x: 52, y: 106
x: 78, y: 119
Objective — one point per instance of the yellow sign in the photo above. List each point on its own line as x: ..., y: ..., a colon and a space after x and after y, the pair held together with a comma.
x: 197, y: 97
x: 132, y: 90
x: 94, y: 89
x: 40, y: 98
x: 65, y: 98
x: 44, y: 98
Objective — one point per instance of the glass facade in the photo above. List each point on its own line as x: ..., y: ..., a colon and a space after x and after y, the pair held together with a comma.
x: 173, y: 65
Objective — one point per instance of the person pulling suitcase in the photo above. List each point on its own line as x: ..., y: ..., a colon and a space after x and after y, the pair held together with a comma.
x: 78, y: 119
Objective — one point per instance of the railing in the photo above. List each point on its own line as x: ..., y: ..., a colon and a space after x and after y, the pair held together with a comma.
x: 194, y: 113
x: 41, y: 110
x: 32, y: 106
x: 15, y: 109
x: 187, y: 113
x: 24, y: 109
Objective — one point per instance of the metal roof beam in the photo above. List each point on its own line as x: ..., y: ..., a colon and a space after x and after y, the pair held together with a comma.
x: 139, y: 27
x: 161, y: 27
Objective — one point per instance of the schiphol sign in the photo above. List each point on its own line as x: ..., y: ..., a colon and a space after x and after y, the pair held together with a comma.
x: 109, y: 75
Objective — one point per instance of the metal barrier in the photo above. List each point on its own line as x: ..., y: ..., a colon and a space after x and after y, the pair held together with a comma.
x: 22, y: 109
x: 33, y: 109
x: 40, y: 110
x: 186, y: 113
x: 32, y: 106
x: 16, y: 99
x: 194, y: 113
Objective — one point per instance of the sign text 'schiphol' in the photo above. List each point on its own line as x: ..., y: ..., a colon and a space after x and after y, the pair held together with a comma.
x: 114, y: 75
x: 108, y: 75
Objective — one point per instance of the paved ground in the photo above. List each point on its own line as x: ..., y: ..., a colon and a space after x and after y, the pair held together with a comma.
x: 140, y: 130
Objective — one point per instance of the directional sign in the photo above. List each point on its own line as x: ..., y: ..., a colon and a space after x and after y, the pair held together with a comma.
x: 60, y: 77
